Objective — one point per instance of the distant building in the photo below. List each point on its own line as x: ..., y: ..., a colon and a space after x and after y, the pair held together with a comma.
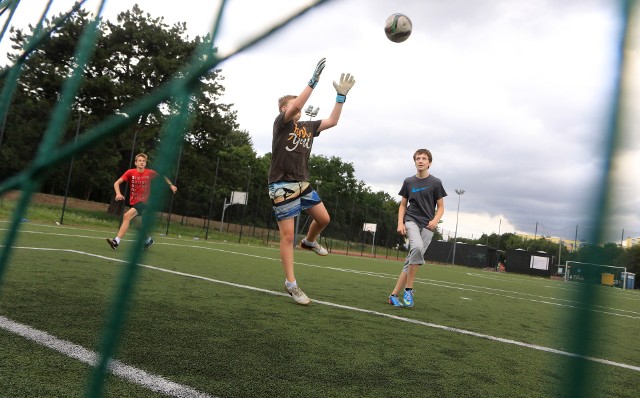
x: 629, y: 242
x: 570, y: 245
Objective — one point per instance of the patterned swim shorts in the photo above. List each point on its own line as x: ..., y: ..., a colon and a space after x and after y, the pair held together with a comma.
x: 290, y: 198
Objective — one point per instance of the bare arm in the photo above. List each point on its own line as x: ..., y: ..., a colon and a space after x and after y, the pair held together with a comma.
x: 116, y: 187
x: 332, y: 120
x: 173, y: 187
x: 439, y: 212
x: 346, y: 83
x: 298, y: 104
x: 402, y: 210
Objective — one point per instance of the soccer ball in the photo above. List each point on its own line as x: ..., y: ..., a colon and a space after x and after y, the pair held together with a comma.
x: 398, y: 27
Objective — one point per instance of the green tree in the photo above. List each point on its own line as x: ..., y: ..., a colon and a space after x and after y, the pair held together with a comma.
x: 135, y: 55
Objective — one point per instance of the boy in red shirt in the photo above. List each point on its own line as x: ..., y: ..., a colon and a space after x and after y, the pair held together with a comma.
x: 139, y: 180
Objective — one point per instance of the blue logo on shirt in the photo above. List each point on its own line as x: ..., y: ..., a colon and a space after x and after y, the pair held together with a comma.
x: 414, y: 190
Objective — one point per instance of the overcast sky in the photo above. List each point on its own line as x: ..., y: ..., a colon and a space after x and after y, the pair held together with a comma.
x: 513, y: 98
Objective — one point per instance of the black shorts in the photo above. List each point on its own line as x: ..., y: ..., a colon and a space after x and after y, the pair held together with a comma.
x: 140, y: 207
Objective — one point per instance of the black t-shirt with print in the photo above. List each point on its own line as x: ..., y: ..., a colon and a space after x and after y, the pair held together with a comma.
x: 291, y: 149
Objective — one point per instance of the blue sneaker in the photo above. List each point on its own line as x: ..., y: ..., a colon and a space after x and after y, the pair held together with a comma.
x: 395, y: 301
x: 148, y: 243
x: 408, y: 298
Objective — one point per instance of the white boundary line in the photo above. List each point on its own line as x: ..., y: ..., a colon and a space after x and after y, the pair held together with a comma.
x: 134, y: 375
x: 370, y: 312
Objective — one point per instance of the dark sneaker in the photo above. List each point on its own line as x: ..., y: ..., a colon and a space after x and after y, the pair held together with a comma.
x: 112, y: 243
x: 148, y: 244
x: 314, y: 247
x: 408, y: 298
x: 395, y: 301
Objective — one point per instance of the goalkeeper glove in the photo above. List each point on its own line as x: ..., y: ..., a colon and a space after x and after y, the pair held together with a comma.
x: 316, y: 73
x: 346, y: 82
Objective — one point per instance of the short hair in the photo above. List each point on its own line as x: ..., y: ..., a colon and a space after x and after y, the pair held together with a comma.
x: 141, y: 155
x: 284, y: 99
x: 423, y: 152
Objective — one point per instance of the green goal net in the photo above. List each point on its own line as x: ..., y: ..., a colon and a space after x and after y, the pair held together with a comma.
x: 176, y: 97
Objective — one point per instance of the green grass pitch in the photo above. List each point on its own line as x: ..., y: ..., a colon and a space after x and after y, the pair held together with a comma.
x: 212, y: 318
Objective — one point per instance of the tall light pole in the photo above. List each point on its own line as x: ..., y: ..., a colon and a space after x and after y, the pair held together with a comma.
x: 311, y: 112
x: 66, y: 191
x: 460, y: 192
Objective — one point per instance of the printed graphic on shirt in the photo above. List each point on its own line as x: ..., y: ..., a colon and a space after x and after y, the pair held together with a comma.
x: 299, y: 136
x: 139, y: 184
x: 140, y: 188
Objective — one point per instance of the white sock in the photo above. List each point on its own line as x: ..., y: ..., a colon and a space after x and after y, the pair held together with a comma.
x: 148, y: 240
x: 290, y: 285
x: 306, y: 242
x: 117, y: 240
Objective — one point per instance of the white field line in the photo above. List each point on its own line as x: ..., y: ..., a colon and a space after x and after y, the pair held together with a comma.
x: 370, y: 312
x: 449, y: 285
x: 442, y: 284
x: 625, y: 295
x: 134, y: 375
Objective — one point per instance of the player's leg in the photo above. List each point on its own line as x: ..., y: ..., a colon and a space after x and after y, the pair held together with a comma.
x: 126, y: 221
x: 414, y: 258
x: 143, y: 214
x: 393, y: 298
x: 286, y: 208
x: 287, y: 231
x: 425, y: 238
x: 318, y: 212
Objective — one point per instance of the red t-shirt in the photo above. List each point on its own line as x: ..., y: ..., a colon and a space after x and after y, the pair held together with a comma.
x: 140, y: 184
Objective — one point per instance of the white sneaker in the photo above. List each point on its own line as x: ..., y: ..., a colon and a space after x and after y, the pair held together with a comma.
x: 297, y: 294
x: 314, y: 247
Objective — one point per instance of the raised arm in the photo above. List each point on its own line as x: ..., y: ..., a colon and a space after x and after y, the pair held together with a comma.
x: 346, y: 83
x: 299, y: 102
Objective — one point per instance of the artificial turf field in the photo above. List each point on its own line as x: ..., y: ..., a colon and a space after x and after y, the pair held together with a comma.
x: 212, y: 319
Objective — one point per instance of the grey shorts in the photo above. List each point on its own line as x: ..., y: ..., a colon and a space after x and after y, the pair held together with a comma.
x: 419, y: 240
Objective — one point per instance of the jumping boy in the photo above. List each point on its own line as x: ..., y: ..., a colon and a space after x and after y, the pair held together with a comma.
x: 421, y: 207
x: 139, y: 180
x: 289, y: 187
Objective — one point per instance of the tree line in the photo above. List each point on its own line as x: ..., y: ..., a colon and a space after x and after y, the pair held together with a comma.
x: 138, y: 53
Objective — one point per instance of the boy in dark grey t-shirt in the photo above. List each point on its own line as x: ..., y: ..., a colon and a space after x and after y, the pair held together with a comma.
x: 289, y: 187
x: 421, y: 209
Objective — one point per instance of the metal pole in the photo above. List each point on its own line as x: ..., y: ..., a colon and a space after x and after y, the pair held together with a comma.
x: 460, y: 192
x: 575, y: 241
x: 4, y: 123
x: 66, y: 191
x: 175, y: 180
x: 245, y: 205
x: 213, y: 191
x: 224, y: 208
x: 559, y: 252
